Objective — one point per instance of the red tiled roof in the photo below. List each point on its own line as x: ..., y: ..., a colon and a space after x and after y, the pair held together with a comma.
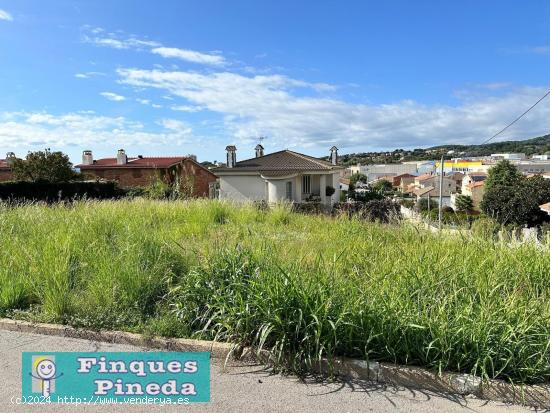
x: 424, y: 177
x: 476, y: 184
x: 4, y: 164
x: 145, y: 162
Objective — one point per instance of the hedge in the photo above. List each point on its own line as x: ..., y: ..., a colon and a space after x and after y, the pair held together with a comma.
x: 53, y: 192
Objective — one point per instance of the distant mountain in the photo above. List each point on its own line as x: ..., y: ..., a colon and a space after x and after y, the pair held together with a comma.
x: 540, y: 145
x: 532, y: 146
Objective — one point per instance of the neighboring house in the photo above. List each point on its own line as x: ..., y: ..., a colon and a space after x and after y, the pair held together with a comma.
x: 432, y: 193
x: 6, y: 173
x: 344, y: 184
x: 474, y: 190
x: 471, y: 178
x: 279, y: 176
x: 142, y: 171
x: 545, y: 207
x: 426, y: 180
x: 458, y: 177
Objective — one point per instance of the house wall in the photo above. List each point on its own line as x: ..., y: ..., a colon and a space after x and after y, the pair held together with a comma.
x: 6, y: 175
x: 126, y: 177
x: 243, y: 188
x: 199, y: 177
x: 476, y: 193
x: 255, y: 188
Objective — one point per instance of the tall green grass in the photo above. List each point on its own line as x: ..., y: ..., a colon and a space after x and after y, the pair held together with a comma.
x: 304, y: 287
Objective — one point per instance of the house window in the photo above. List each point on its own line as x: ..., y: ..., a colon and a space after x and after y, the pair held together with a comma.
x: 289, y: 191
x: 306, y: 184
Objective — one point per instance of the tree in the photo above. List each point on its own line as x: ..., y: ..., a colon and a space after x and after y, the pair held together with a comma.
x: 422, y: 204
x: 44, y: 166
x: 503, y: 173
x: 464, y: 203
x: 359, y: 177
x: 510, y: 198
x: 382, y: 186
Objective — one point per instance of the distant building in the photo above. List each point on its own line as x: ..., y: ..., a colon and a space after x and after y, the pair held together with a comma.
x: 508, y: 156
x: 6, y: 173
x: 533, y: 166
x: 472, y: 178
x: 376, y: 171
x: 463, y: 165
x: 475, y: 190
x: 141, y: 171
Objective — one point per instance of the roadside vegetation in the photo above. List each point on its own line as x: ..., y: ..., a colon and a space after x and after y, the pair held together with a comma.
x: 302, y: 286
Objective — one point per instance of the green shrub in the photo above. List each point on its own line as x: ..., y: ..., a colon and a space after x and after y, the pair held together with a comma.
x: 301, y: 286
x: 53, y: 192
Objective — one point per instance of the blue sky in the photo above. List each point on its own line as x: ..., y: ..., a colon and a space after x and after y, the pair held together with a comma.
x: 179, y: 77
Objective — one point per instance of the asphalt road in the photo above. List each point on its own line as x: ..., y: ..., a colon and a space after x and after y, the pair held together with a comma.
x: 239, y: 389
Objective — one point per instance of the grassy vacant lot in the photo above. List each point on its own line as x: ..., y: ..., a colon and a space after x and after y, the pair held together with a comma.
x: 303, y: 286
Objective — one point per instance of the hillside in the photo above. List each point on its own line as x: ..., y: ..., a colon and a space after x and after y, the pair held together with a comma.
x: 539, y: 145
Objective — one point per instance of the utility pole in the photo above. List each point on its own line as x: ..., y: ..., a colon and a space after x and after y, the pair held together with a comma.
x: 441, y: 191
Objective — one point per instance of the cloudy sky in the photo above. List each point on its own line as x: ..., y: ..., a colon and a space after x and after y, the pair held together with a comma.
x: 179, y: 77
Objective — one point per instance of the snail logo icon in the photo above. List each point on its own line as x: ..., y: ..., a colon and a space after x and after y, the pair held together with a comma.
x: 44, y: 374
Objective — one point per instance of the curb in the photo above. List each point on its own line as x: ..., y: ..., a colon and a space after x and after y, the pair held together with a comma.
x: 407, y: 376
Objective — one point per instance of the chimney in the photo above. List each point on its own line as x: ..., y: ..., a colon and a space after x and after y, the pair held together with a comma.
x: 87, y: 157
x: 10, y: 158
x: 334, y: 155
x: 121, y: 158
x: 259, y: 150
x: 231, y: 156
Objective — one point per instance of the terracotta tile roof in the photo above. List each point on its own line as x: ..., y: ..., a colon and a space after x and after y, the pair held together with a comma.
x: 4, y: 164
x: 424, y: 177
x: 423, y: 191
x: 476, y: 184
x: 281, y: 161
x: 139, y: 162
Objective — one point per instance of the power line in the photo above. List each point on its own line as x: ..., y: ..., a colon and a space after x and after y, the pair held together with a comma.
x: 516, y: 119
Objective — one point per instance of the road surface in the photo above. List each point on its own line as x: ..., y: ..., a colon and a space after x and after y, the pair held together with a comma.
x: 239, y: 388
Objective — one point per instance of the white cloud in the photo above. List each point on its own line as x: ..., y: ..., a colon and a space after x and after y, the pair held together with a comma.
x: 190, y: 56
x: 118, y: 40
x: 112, y: 96
x: 541, y: 50
x: 27, y: 129
x: 144, y: 101
x: 186, y: 108
x: 4, y: 15
x: 88, y: 75
x: 175, y: 125
x: 99, y: 37
x: 270, y: 105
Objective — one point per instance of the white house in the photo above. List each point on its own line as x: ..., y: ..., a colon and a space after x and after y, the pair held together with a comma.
x: 280, y: 176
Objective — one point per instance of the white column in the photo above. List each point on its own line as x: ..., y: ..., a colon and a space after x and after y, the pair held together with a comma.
x: 323, y: 189
x: 298, y: 189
